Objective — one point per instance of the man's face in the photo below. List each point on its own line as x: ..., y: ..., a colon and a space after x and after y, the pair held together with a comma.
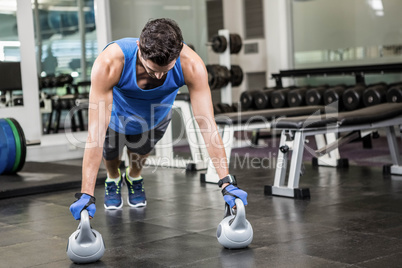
x: 154, y: 70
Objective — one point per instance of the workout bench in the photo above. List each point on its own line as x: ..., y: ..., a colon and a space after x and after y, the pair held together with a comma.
x: 229, y: 123
x: 296, y: 129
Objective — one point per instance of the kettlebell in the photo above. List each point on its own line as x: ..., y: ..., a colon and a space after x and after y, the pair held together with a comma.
x: 85, y: 245
x: 235, y: 231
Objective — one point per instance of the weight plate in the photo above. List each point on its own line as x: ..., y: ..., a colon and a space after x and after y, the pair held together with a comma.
x: 10, y: 143
x: 3, y: 150
x: 235, y: 43
x: 17, y: 145
x: 246, y: 100
x: 219, y: 43
x: 236, y: 74
x: 23, y: 144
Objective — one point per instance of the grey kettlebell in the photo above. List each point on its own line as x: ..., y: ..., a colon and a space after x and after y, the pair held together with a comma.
x: 235, y: 231
x: 85, y: 245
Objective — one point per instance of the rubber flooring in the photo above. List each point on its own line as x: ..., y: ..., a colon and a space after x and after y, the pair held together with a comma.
x: 353, y: 219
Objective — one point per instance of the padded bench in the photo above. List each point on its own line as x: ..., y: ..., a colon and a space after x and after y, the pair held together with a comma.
x: 229, y: 123
x: 358, y: 123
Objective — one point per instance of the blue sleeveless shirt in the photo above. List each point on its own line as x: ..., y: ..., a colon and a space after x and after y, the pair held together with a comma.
x: 137, y: 110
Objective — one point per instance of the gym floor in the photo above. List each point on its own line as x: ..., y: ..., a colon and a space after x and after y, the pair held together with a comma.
x: 353, y: 219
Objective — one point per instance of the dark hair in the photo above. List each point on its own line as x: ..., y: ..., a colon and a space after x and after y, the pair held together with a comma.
x: 161, y: 41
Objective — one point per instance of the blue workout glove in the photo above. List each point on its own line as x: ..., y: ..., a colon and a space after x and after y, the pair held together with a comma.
x: 84, y: 201
x: 231, y: 192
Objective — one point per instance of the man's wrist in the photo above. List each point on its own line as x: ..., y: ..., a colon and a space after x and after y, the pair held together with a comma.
x: 228, y: 179
x: 224, y: 185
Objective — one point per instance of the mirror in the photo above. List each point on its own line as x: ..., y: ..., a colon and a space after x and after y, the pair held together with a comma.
x: 10, y: 68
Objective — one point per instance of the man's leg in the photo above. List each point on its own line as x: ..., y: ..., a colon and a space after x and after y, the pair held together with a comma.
x: 111, y: 158
x: 112, y: 167
x: 138, y: 149
x: 135, y: 182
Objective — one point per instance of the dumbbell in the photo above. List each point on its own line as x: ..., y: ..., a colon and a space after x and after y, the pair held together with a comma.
x: 334, y: 94
x: 64, y: 79
x: 235, y: 43
x: 217, y: 109
x: 225, y: 107
x: 218, y: 76
x: 375, y: 95
x: 353, y: 97
x: 394, y: 94
x: 219, y: 43
x: 236, y: 75
x: 296, y: 97
x: 18, y: 101
x: 278, y: 97
x: 315, y: 96
x: 247, y: 99
x: 262, y: 98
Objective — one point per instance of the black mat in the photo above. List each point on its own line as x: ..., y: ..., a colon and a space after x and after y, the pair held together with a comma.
x: 37, y: 177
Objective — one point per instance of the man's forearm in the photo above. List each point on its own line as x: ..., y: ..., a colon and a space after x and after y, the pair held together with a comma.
x: 90, y: 168
x: 216, y: 151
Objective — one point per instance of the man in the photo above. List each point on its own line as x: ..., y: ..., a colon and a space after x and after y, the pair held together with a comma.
x: 139, y: 79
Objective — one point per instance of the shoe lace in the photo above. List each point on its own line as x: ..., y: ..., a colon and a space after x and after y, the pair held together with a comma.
x: 136, y: 187
x: 112, y: 189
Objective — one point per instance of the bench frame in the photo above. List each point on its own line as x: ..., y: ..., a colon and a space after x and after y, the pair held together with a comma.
x: 294, y: 139
x: 227, y: 133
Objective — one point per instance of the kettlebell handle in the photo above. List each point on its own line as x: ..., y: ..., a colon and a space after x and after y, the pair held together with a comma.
x: 239, y: 221
x: 85, y: 235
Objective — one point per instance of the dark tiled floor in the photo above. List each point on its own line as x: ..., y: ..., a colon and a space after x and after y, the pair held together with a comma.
x: 353, y: 219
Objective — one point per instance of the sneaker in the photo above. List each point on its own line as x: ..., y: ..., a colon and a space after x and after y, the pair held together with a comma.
x: 136, y: 193
x: 113, y: 199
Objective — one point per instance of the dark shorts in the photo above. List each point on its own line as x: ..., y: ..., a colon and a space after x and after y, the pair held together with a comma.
x: 140, y: 144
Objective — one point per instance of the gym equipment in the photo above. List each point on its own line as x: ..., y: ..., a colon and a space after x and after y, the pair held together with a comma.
x: 296, y: 96
x: 334, y: 94
x: 375, y: 95
x: 220, y: 43
x: 85, y: 245
x: 235, y: 231
x: 164, y: 152
x: 225, y: 108
x: 219, y: 75
x: 356, y: 123
x: 262, y: 98
x: 235, y: 43
x: 13, y: 146
x: 55, y: 81
x: 236, y: 75
x: 255, y: 120
x: 217, y: 109
x: 353, y: 97
x: 315, y: 96
x: 247, y: 99
x: 394, y: 94
x: 278, y: 98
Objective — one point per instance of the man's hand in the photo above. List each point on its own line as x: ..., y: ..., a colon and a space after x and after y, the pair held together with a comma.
x: 230, y: 193
x: 84, y: 201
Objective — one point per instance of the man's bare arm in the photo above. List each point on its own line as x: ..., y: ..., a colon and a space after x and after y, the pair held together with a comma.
x: 106, y: 73
x: 196, y: 78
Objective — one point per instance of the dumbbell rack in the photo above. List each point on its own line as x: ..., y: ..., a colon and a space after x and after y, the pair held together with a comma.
x: 359, y: 72
x: 211, y: 175
x: 224, y: 60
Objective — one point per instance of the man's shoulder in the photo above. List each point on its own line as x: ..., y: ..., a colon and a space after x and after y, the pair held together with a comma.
x: 189, y: 59
x: 126, y: 39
